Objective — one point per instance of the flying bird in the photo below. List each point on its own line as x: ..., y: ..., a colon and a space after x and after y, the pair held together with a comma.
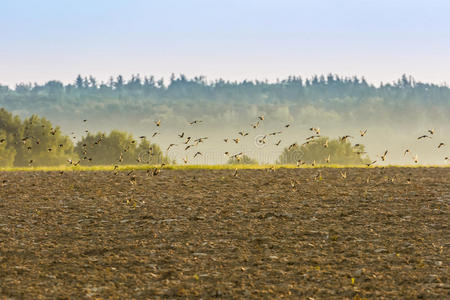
x: 383, y: 157
x: 261, y: 118
x: 441, y: 145
x: 292, y: 146
x: 423, y: 136
x: 371, y: 163
x: 195, y: 122
x: 363, y: 132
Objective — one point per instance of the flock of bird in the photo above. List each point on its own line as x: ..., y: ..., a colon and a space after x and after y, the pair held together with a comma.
x: 188, y: 142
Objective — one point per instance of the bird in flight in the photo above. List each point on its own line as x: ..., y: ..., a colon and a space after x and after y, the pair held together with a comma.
x: 195, y: 122
x: 345, y: 137
x: 181, y: 135
x: 158, y: 123
x: 316, y: 130
x: 416, y: 158
x: 196, y: 154
x: 170, y: 146
x: 292, y: 146
x: 431, y: 131
x: 383, y: 157
x: 441, y: 145
x: 278, y: 143
x: 423, y: 136
x: 371, y: 163
x: 363, y: 132
x: 406, y: 151
x: 261, y: 118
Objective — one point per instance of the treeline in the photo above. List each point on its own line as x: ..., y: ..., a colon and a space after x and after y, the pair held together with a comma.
x: 34, y: 141
x: 294, y: 88
x: 137, y: 102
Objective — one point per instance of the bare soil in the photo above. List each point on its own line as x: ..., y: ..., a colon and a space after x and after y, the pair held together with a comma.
x: 290, y: 233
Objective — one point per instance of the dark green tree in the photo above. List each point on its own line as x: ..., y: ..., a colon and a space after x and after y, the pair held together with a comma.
x: 117, y: 148
x: 42, y: 144
x: 322, y: 150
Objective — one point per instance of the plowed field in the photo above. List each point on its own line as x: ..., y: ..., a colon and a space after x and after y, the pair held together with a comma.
x: 288, y: 233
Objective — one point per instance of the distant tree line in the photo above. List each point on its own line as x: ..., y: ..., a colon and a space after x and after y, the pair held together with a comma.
x: 294, y: 88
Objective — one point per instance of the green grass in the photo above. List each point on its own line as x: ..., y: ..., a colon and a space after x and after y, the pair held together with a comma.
x: 204, y: 167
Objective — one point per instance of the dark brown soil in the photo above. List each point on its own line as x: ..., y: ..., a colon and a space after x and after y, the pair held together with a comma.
x: 205, y: 233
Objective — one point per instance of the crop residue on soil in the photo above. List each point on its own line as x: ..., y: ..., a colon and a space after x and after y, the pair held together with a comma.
x: 294, y: 233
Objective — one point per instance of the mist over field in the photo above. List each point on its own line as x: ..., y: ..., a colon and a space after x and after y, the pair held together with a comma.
x: 394, y: 114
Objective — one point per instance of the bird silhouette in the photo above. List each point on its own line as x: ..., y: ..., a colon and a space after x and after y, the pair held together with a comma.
x: 371, y: 163
x: 383, y: 157
x: 363, y: 132
x: 292, y: 146
x: 441, y: 145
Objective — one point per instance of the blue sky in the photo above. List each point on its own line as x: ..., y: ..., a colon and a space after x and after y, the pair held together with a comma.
x: 381, y: 40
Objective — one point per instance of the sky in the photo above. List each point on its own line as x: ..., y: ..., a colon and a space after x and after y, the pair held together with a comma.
x: 45, y: 40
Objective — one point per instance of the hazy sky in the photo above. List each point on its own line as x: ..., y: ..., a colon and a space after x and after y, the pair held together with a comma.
x: 234, y: 39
